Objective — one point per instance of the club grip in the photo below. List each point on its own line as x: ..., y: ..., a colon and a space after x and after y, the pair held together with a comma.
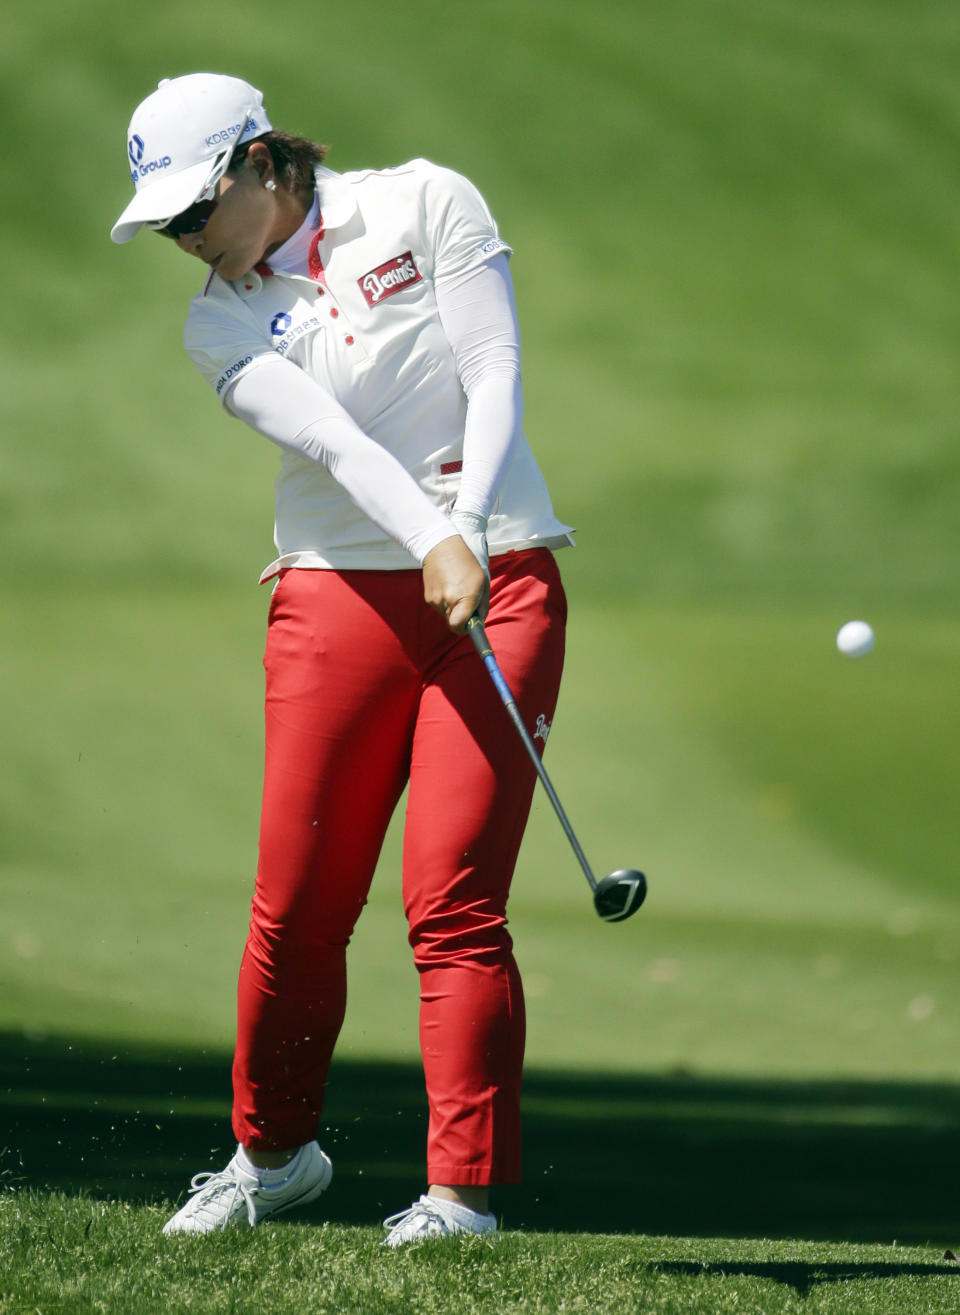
x: 479, y: 636
x: 482, y: 644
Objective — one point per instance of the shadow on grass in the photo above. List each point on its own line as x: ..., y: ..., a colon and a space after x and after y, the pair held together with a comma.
x: 803, y: 1276
x: 683, y: 1155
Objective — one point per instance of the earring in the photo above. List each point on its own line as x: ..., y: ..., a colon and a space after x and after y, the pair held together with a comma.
x: 270, y: 185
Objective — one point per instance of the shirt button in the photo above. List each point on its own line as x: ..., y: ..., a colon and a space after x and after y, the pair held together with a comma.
x: 349, y: 340
x: 334, y: 313
x: 319, y: 290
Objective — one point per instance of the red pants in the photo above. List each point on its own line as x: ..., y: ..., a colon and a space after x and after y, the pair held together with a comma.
x: 367, y: 689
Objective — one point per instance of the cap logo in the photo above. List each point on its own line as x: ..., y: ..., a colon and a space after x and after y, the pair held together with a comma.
x: 389, y: 278
x: 224, y: 136
x: 136, y: 149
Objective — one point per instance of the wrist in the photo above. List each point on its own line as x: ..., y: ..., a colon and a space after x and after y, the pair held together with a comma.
x: 426, y: 544
x: 471, y: 520
x: 472, y: 528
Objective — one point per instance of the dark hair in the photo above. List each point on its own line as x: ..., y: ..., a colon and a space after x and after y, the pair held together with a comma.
x: 294, y: 158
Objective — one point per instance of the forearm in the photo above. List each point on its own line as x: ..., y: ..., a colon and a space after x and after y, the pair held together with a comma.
x: 493, y: 422
x: 479, y: 317
x: 293, y: 411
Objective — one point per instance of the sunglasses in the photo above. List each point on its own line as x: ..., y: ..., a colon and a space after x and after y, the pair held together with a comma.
x: 194, y: 218
x: 191, y: 220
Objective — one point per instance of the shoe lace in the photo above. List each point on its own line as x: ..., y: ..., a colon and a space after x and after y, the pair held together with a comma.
x: 207, y: 1187
x: 421, y: 1212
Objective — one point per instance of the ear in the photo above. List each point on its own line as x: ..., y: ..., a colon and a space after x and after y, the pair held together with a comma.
x: 260, y: 159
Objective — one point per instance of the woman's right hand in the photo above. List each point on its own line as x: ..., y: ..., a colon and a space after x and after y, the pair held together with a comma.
x: 455, y: 584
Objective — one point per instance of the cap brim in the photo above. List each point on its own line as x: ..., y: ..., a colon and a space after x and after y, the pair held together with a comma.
x: 163, y: 198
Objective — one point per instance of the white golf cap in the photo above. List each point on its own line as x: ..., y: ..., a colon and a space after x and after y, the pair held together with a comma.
x: 180, y: 142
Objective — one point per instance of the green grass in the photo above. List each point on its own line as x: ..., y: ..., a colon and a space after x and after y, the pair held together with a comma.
x: 736, y: 247
x: 82, y: 1255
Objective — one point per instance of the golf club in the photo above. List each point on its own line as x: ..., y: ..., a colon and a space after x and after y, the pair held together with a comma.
x: 617, y: 895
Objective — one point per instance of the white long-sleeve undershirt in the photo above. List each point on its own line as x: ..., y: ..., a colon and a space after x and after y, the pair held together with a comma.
x: 479, y: 318
x: 478, y: 314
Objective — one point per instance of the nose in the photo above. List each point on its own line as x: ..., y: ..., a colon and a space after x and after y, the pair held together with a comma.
x: 190, y: 242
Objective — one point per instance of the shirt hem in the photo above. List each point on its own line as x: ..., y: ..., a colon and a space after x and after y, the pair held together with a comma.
x: 350, y: 560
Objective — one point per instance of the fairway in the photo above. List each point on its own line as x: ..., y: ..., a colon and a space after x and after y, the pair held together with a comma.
x: 736, y: 253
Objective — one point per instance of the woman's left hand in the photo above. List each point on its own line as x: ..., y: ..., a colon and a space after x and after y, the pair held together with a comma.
x: 455, y: 584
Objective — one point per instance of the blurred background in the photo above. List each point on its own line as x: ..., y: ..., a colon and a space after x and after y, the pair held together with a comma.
x: 736, y: 248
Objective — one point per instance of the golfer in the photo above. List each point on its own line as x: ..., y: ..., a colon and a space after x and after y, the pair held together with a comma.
x: 364, y: 322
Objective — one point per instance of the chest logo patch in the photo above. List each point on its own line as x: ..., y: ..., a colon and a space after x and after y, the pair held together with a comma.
x: 389, y: 278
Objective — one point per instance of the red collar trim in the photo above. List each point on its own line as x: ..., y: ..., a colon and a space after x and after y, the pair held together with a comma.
x: 314, y: 263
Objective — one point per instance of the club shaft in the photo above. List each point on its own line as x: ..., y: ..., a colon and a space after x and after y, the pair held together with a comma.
x: 478, y: 635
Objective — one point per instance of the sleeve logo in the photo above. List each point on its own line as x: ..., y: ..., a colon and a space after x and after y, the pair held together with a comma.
x: 231, y: 372
x: 390, y: 278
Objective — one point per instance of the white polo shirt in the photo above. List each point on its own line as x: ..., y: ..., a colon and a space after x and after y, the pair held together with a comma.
x: 365, y: 326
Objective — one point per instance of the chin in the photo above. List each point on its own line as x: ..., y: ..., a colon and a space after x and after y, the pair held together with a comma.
x: 232, y: 265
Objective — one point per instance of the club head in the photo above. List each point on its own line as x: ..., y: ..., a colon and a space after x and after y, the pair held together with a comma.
x: 620, y: 894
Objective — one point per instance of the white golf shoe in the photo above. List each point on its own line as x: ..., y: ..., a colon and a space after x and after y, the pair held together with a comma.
x: 432, y: 1217
x: 235, y: 1196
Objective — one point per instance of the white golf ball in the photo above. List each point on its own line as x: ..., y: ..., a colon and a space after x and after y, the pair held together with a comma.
x: 855, y: 639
